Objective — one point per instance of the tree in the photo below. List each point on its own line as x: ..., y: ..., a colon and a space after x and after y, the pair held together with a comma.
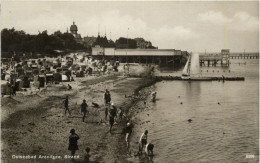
x: 125, y: 43
x: 19, y: 41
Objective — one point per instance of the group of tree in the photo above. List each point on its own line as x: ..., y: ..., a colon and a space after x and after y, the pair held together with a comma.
x: 20, y: 42
x: 126, y: 43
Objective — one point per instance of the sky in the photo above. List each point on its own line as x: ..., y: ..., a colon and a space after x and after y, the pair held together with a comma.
x: 189, y: 26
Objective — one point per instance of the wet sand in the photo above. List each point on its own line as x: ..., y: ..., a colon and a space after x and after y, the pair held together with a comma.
x: 36, y: 124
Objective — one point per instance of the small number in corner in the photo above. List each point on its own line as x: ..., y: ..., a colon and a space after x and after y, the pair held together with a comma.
x: 250, y: 156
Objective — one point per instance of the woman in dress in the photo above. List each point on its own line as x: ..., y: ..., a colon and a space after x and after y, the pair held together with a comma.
x: 73, y: 142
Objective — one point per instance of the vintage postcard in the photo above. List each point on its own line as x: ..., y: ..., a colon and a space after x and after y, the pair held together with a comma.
x: 129, y: 81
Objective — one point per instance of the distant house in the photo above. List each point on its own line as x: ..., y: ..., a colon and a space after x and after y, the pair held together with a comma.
x: 97, y: 50
x: 225, y: 56
x: 143, y: 44
x: 101, y: 41
x: 89, y: 41
x: 140, y: 43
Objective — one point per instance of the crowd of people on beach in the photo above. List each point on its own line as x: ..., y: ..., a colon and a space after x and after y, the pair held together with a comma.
x: 112, y: 113
x: 143, y: 143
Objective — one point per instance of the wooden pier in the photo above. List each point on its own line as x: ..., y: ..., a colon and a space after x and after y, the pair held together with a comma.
x: 208, y: 78
x: 211, y: 60
x: 224, y: 58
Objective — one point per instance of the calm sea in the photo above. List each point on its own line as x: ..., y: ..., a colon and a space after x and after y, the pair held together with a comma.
x: 225, y: 123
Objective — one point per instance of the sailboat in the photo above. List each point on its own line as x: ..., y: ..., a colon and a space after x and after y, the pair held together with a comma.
x: 191, y: 70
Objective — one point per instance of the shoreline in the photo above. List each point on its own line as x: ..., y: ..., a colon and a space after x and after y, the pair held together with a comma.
x: 28, y: 123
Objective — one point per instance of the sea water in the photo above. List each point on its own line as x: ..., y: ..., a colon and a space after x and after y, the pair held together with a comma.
x: 225, y: 123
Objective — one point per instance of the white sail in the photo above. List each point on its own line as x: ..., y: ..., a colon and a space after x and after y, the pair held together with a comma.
x: 195, y: 65
x: 185, y: 71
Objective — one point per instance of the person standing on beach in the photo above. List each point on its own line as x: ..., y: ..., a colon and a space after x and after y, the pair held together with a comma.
x: 120, y: 114
x: 106, y: 113
x: 128, y: 131
x: 13, y: 87
x: 143, y: 141
x: 84, y: 106
x: 153, y: 96
x: 112, y: 115
x: 69, y: 87
x: 107, y: 97
x: 66, y: 105
x: 73, y: 143
x: 87, y: 155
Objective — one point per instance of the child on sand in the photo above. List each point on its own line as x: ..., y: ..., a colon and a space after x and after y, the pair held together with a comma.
x: 128, y: 131
x: 87, y: 155
x: 66, y: 105
x: 112, y: 115
x: 106, y: 113
x: 120, y: 113
x: 143, y: 141
x: 149, y: 149
x: 84, y: 106
x: 153, y: 96
x: 69, y: 87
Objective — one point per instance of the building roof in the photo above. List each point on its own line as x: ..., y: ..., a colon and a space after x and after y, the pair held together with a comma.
x: 101, y: 41
x: 87, y: 39
x: 77, y: 36
x: 139, y: 39
x: 73, y: 27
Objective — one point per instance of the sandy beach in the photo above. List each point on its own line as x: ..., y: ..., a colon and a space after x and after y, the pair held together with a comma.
x: 36, y: 125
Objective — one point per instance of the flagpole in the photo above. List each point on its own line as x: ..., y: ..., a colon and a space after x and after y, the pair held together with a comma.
x: 127, y: 36
x: 126, y: 44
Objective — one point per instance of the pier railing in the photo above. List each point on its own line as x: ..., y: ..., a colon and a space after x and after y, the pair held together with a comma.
x: 244, y: 56
x: 213, y: 57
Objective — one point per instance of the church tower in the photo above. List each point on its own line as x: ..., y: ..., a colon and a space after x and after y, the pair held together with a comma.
x: 73, y: 29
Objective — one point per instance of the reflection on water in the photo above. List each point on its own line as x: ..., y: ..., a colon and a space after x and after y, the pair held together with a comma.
x: 192, y: 90
x: 224, y: 125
